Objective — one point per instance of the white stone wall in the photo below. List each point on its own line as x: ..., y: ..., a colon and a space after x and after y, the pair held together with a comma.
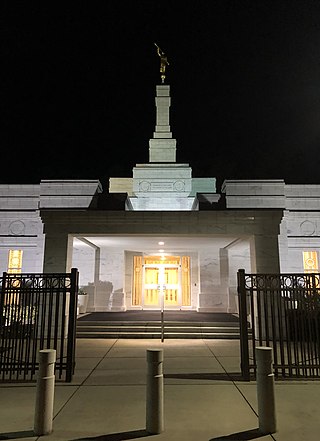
x: 20, y: 224
x: 194, y: 279
x: 19, y: 197
x: 68, y: 193
x: 213, y: 274
x: 300, y: 231
x: 112, y: 271
x: 22, y: 230
x: 128, y: 284
x: 218, y: 276
x: 32, y: 258
x: 212, y: 296
x: 254, y: 193
x: 302, y: 197
x: 239, y: 258
x: 300, y: 226
x: 84, y: 259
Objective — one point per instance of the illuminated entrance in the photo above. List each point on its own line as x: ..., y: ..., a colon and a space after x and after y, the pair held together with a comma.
x: 161, y: 281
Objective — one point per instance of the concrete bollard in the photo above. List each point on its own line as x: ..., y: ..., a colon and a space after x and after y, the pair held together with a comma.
x: 154, y: 404
x: 45, y: 392
x: 265, y: 390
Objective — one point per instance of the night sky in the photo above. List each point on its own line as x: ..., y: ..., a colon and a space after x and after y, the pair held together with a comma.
x: 79, y: 80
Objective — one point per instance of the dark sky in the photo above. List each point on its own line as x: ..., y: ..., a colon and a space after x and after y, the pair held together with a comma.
x: 79, y: 79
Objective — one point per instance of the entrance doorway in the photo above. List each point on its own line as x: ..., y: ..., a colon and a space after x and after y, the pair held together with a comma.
x: 161, y: 286
x: 161, y: 282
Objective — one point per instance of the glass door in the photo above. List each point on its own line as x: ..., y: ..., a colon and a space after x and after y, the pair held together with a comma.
x: 151, y: 287
x: 161, y: 287
x: 171, y: 282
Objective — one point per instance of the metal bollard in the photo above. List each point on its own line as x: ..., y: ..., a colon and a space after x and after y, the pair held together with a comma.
x: 154, y: 404
x: 45, y: 392
x: 265, y: 390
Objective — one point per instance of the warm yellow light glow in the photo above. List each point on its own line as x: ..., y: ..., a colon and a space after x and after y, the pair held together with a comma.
x: 310, y: 262
x: 151, y: 260
x: 157, y: 277
x: 161, y: 251
x: 151, y: 280
x: 137, y: 281
x: 15, y: 261
x: 185, y: 281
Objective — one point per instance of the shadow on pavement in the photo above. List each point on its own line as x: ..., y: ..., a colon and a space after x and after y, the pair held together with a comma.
x: 240, y: 436
x: 133, y: 434
x: 17, y: 435
x: 207, y: 376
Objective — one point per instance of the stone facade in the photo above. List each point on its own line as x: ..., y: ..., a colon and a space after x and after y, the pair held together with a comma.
x: 57, y: 232
x: 262, y: 226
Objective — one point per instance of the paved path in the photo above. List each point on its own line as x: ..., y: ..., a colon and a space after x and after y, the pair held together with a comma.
x: 203, y: 399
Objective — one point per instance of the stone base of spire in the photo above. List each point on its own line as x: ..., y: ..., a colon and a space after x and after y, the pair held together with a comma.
x: 162, y: 204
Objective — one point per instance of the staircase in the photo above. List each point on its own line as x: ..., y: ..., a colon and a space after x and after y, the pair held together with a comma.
x: 152, y: 329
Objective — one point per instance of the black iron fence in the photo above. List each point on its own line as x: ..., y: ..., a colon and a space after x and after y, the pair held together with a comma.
x: 37, y: 311
x: 281, y: 311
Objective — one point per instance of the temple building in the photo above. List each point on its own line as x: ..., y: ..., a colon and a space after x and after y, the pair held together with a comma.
x: 161, y: 237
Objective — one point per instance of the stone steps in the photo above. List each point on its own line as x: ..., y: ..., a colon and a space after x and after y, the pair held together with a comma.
x: 139, y: 329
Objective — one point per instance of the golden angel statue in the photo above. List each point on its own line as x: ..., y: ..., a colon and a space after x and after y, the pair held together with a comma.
x: 163, y: 62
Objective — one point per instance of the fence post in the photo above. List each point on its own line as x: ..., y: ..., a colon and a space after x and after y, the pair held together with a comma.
x: 45, y: 392
x: 72, y: 323
x: 265, y: 390
x: 154, y: 404
x: 243, y: 321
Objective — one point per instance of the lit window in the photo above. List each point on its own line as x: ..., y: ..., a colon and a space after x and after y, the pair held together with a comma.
x: 310, y: 262
x: 15, y: 261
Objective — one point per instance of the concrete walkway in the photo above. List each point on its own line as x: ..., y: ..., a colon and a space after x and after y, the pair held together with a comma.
x: 203, y: 399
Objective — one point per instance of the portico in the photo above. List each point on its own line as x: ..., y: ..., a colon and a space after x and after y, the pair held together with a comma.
x: 123, y: 257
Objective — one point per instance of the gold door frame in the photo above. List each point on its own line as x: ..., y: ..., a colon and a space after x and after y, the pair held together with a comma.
x: 174, y: 285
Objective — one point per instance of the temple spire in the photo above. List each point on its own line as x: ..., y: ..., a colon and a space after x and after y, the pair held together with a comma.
x: 162, y: 147
x: 162, y: 184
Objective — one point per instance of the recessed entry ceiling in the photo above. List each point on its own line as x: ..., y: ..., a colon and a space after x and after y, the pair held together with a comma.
x: 151, y: 243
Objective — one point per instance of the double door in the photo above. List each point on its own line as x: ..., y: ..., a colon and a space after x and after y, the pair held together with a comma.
x: 161, y: 286
x: 161, y: 282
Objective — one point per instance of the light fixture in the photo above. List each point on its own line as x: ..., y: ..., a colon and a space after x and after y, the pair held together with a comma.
x: 160, y: 243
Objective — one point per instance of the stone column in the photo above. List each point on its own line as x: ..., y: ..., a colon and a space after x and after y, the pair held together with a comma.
x: 267, y: 262
x: 210, y: 297
x: 267, y: 253
x: 224, y: 279
x: 57, y: 253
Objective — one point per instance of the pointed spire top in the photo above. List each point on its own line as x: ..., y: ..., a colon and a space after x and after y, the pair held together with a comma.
x: 163, y: 62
